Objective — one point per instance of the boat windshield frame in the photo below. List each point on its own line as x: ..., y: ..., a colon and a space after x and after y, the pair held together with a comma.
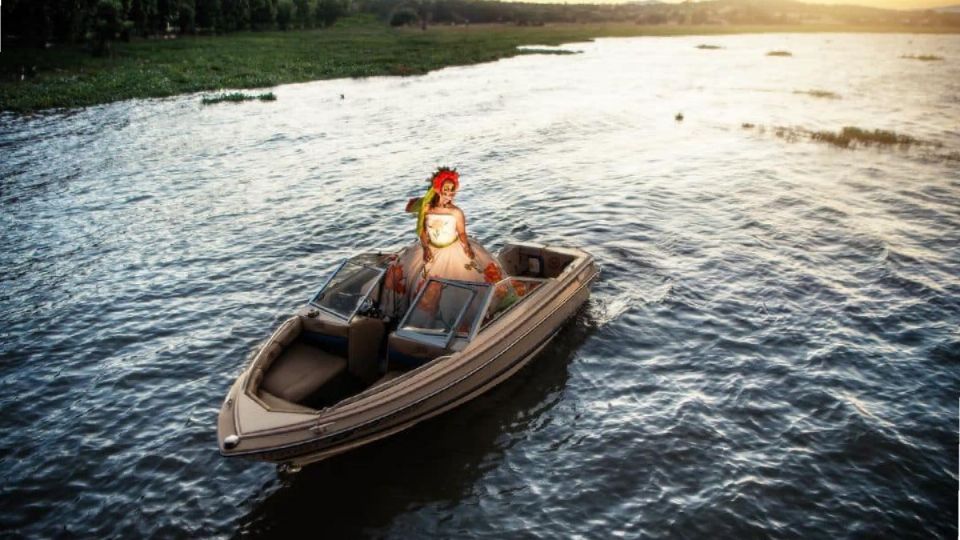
x: 442, y: 340
x: 362, y: 298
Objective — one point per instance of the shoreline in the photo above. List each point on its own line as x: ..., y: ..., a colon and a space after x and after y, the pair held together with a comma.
x: 68, y: 77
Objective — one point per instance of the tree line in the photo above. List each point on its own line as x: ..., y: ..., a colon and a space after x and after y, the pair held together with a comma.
x: 38, y: 22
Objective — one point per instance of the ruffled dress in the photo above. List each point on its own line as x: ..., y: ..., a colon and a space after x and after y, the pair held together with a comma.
x: 408, y: 273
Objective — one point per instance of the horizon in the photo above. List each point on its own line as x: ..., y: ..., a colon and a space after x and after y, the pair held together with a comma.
x: 882, y: 4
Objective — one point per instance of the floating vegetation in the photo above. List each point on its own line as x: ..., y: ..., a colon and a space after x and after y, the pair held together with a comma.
x: 708, y: 47
x: 237, y: 97
x: 826, y: 94
x: 548, y: 51
x: 923, y: 57
x: 853, y: 135
x: 779, y: 53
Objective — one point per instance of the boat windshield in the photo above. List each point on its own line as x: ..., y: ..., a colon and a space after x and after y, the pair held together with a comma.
x: 444, y: 309
x: 347, y: 289
x: 507, y: 293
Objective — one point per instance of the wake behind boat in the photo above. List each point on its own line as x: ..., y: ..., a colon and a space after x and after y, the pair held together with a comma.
x: 340, y: 374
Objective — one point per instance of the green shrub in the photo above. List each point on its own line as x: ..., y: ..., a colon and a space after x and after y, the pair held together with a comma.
x: 403, y: 17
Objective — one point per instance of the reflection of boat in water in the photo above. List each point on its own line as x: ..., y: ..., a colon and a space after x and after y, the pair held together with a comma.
x: 338, y: 374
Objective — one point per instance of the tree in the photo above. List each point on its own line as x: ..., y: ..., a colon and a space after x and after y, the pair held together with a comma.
x: 403, y: 17
x: 328, y: 11
x: 106, y: 25
x: 284, y: 14
x: 303, y: 13
x: 424, y: 11
x: 263, y: 13
x: 141, y: 11
x: 236, y: 14
x: 186, y: 16
x: 208, y: 13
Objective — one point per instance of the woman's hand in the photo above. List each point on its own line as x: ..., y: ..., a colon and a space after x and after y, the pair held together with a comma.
x: 462, y: 233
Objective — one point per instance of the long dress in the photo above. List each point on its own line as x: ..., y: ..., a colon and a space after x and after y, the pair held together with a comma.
x: 408, y: 273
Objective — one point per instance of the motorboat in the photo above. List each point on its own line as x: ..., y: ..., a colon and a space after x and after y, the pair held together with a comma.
x: 341, y: 373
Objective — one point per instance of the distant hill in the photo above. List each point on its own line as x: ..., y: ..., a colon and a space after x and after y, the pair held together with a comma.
x: 652, y: 12
x: 948, y: 9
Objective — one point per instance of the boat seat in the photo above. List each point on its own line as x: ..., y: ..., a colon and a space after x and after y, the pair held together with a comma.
x: 300, y: 370
x: 278, y: 404
x: 365, y: 341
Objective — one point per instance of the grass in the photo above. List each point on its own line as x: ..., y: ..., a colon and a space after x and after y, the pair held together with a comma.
x: 779, y: 53
x: 923, y: 57
x: 236, y: 97
x: 825, y: 94
x: 359, y: 46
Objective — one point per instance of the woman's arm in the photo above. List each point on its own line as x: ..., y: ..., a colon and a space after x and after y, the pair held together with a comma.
x: 425, y: 244
x: 462, y: 233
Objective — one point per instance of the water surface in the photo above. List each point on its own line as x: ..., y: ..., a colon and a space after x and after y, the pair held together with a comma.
x: 772, y: 349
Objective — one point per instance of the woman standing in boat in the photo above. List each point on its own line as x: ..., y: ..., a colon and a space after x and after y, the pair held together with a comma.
x: 443, y: 249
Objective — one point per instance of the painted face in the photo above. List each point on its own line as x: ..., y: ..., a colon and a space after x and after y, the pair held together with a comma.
x: 447, y: 191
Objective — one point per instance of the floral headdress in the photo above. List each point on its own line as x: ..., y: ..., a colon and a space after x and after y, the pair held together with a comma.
x: 437, y: 179
x: 445, y: 174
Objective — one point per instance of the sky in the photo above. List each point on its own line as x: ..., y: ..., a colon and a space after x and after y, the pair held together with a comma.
x: 886, y: 4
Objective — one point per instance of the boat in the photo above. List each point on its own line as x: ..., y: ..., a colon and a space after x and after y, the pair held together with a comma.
x: 341, y: 373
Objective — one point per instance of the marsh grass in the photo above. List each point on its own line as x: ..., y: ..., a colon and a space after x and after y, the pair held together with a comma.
x: 709, y: 47
x: 825, y: 94
x: 357, y: 46
x: 853, y: 135
x: 779, y: 53
x: 923, y: 57
x: 237, y: 97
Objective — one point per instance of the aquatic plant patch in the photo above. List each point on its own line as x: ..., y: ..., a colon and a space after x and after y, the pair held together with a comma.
x: 825, y: 94
x: 548, y: 51
x: 923, y: 57
x: 237, y: 97
x: 853, y: 135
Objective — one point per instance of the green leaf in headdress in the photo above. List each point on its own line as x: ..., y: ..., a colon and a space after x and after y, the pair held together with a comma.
x: 422, y: 210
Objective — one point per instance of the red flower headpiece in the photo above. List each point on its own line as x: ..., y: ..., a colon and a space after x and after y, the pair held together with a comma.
x: 445, y: 175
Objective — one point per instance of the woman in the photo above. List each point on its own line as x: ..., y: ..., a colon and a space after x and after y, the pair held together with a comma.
x: 443, y: 249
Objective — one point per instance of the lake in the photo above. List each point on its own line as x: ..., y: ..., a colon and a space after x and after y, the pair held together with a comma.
x: 772, y: 348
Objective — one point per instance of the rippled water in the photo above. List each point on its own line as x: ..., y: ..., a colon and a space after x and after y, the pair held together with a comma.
x: 772, y: 349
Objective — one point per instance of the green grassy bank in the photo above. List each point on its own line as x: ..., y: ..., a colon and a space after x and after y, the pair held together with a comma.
x: 356, y: 47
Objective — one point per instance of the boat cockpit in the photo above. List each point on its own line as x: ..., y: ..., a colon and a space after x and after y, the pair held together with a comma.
x: 345, y: 340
